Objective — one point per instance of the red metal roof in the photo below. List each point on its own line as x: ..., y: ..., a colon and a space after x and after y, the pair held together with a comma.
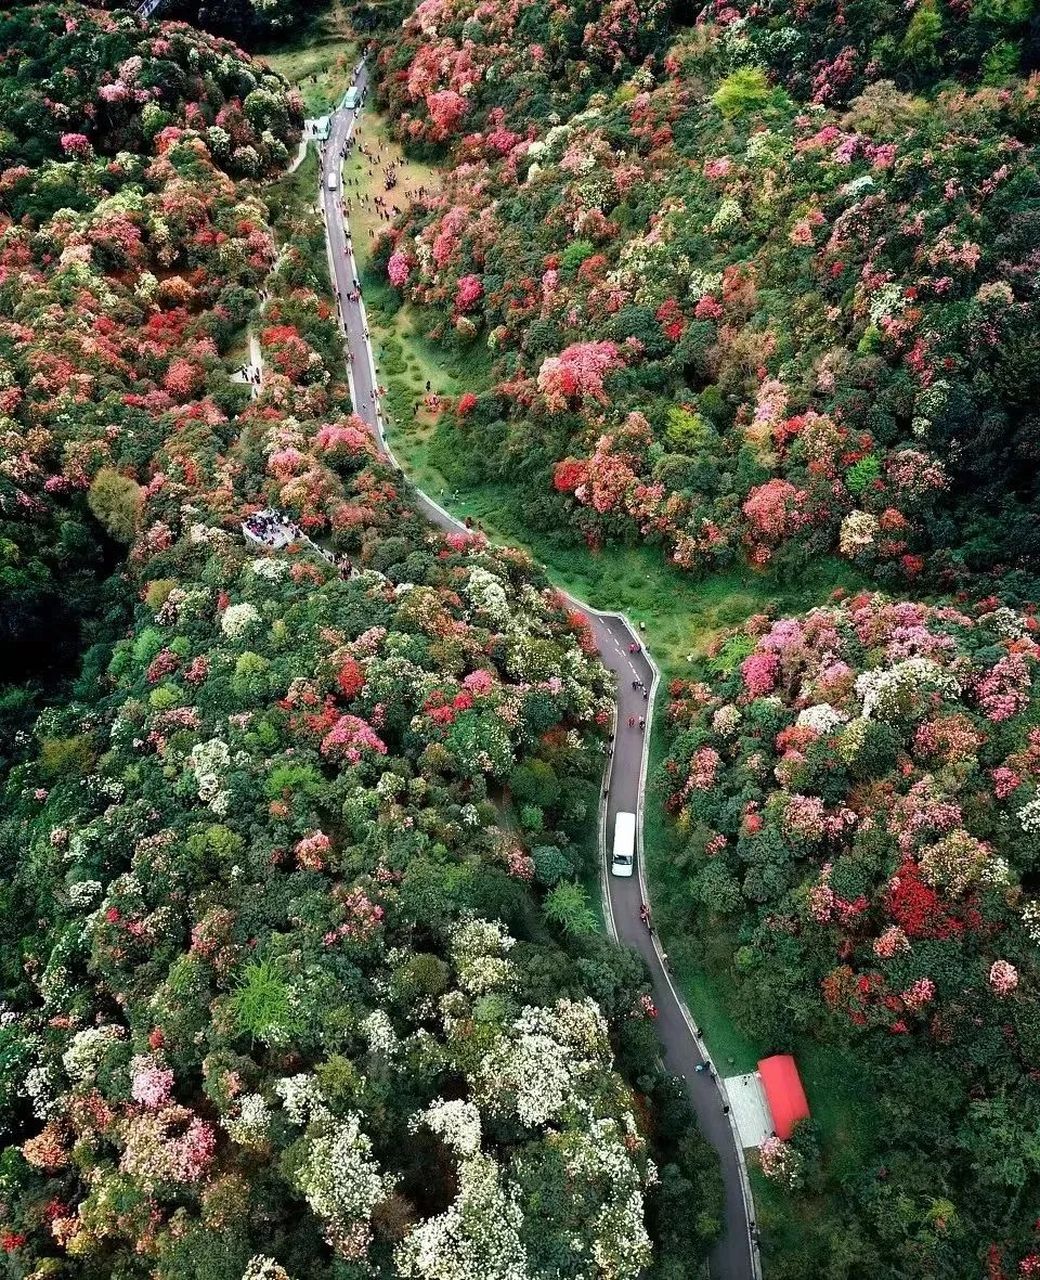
x: 784, y: 1093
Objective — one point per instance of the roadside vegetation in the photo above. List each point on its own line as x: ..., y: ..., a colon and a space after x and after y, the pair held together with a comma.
x: 317, y: 58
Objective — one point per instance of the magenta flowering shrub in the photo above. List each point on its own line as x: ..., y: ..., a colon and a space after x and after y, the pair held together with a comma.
x: 855, y: 804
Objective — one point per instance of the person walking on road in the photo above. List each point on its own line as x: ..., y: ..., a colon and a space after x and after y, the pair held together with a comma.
x: 642, y: 725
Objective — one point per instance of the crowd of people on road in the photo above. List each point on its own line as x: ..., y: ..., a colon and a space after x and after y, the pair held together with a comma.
x: 637, y: 684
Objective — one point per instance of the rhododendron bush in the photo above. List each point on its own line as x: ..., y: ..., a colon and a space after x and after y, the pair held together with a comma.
x: 823, y: 303
x: 856, y: 801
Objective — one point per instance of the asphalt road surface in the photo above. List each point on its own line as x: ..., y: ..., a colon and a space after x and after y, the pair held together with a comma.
x: 735, y: 1257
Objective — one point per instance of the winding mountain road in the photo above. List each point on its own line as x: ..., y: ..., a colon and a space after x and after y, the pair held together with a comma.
x: 736, y: 1255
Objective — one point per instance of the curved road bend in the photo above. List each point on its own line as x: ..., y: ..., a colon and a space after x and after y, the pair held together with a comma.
x: 735, y: 1257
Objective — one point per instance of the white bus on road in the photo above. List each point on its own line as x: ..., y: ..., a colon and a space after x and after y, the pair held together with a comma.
x: 623, y: 859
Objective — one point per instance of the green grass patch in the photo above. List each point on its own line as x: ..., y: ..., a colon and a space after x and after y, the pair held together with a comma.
x: 294, y: 198
x: 682, y: 614
x: 319, y: 60
x: 363, y: 175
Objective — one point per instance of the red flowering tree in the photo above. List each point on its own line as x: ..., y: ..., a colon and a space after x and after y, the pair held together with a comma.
x: 577, y: 373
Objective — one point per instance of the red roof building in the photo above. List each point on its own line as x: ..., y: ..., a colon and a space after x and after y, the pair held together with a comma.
x: 784, y: 1093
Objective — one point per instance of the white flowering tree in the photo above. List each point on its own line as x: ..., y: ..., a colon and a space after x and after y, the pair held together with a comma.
x: 478, y: 1235
x: 342, y: 1183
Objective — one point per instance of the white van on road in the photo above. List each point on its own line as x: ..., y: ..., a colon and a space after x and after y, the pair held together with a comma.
x: 332, y: 181
x: 623, y: 859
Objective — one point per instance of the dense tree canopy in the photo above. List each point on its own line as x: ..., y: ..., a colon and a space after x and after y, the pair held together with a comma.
x: 287, y: 992
x: 725, y: 318
x: 855, y: 794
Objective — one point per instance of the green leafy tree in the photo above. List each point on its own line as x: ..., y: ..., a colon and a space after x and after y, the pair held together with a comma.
x: 567, y: 906
x: 116, y: 501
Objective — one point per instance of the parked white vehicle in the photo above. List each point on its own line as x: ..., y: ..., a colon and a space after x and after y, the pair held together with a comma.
x: 332, y: 182
x: 623, y: 860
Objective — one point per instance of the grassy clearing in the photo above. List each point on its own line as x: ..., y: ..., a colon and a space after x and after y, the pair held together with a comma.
x: 294, y: 197
x: 319, y: 60
x: 682, y: 614
x: 363, y: 175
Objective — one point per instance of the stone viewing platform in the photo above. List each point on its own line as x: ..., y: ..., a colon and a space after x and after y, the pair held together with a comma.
x: 271, y: 529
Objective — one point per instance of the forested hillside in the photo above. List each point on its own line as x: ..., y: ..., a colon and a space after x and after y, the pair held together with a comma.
x: 302, y: 973
x: 732, y: 313
x: 855, y: 799
x: 128, y: 260
x: 759, y: 288
x: 300, y: 979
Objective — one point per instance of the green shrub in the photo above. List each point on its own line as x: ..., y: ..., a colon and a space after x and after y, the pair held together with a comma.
x: 65, y: 757
x: 116, y: 502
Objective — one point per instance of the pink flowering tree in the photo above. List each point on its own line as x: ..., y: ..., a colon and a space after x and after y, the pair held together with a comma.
x: 577, y: 373
x: 773, y: 510
x: 398, y: 269
x: 446, y: 108
x: 468, y: 292
x: 349, y: 738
